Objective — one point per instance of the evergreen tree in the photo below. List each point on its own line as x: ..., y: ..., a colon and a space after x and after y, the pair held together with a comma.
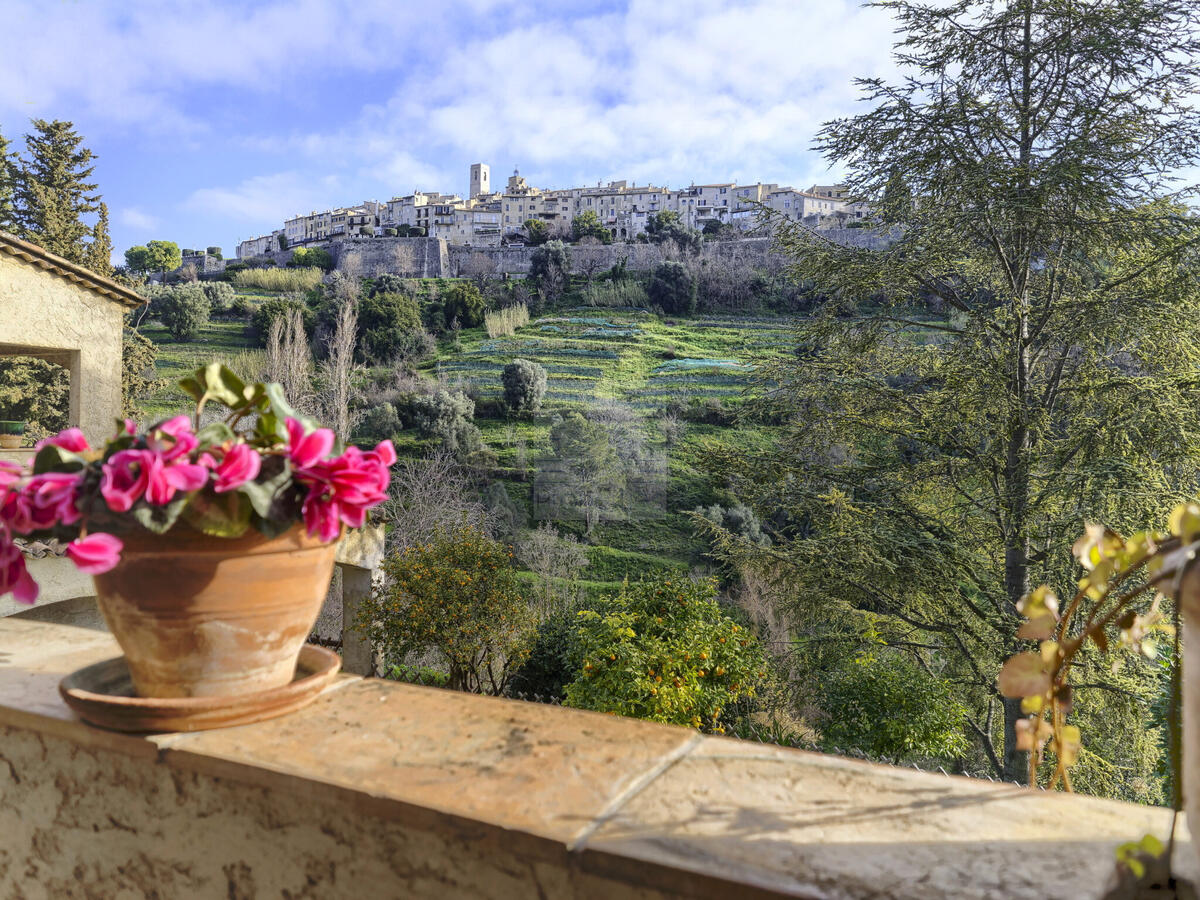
x: 8, y: 187
x: 53, y: 191
x: 1022, y: 356
x: 98, y: 256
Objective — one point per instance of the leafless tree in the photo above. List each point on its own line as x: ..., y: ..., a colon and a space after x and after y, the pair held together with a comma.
x: 480, y: 268
x: 671, y: 428
x: 557, y: 561
x: 289, y: 361
x: 338, y: 371
x: 428, y: 496
x: 759, y: 595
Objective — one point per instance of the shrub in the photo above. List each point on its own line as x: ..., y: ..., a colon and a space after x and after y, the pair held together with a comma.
x: 391, y: 232
x: 293, y: 280
x: 378, y: 423
x: 447, y: 417
x: 549, y: 269
x: 506, y: 321
x: 283, y: 242
x: 673, y: 288
x: 461, y: 302
x: 220, y: 295
x: 241, y: 307
x: 738, y: 519
x: 414, y: 347
x: 384, y: 321
x: 457, y: 595
x: 215, y: 252
x: 885, y: 705
x: 524, y: 385
x: 279, y: 307
x: 184, y: 311
x: 368, y: 230
x: 663, y: 650
x: 316, y: 257
x: 554, y: 659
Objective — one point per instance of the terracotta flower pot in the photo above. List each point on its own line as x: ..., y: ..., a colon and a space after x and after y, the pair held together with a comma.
x: 201, y: 616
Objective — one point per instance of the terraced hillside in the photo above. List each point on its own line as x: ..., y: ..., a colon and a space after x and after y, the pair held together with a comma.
x: 692, y: 370
x: 631, y: 356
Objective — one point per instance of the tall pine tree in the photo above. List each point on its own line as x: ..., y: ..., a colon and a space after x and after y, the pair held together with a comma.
x: 53, y: 191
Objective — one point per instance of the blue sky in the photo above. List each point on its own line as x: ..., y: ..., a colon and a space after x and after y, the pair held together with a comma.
x: 214, y: 121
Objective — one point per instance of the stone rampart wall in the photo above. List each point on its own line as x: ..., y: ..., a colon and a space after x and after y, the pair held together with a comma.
x: 434, y: 258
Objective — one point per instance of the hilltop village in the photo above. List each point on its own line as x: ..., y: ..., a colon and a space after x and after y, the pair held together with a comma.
x: 490, y: 218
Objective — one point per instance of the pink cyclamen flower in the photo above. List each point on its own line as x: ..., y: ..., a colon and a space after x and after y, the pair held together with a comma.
x: 9, y: 473
x: 68, y: 439
x: 173, y: 438
x: 14, y: 576
x: 306, y: 450
x: 96, y: 553
x: 341, y: 490
x: 164, y: 479
x: 42, y: 502
x: 240, y: 464
x: 123, y: 478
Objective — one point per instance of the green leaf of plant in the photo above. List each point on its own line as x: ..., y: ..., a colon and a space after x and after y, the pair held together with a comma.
x: 221, y: 515
x: 56, y: 459
x: 223, y: 384
x: 193, y: 387
x: 262, y: 493
x: 271, y: 528
x: 214, y: 434
x: 160, y: 519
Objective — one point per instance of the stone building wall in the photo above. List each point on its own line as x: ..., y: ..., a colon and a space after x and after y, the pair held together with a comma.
x: 43, y: 314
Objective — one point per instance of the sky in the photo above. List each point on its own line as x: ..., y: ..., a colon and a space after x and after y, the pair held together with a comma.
x: 212, y: 122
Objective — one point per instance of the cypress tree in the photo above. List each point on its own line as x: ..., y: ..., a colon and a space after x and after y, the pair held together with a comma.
x: 98, y: 256
x: 8, y: 178
x: 53, y: 191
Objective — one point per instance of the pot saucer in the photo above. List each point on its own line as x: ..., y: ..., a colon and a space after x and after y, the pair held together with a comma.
x: 102, y: 695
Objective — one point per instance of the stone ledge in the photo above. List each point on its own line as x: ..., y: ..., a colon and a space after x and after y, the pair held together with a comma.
x: 515, y: 798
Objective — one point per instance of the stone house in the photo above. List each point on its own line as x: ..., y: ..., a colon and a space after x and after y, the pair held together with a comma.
x: 55, y: 310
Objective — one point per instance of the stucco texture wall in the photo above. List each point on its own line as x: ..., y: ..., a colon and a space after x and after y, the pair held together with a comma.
x: 43, y: 314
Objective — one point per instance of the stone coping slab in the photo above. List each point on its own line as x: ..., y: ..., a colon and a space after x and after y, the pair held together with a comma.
x: 654, y: 807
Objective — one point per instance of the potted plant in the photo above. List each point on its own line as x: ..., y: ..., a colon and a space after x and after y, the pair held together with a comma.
x: 11, y: 433
x: 211, y: 547
x: 1132, y: 595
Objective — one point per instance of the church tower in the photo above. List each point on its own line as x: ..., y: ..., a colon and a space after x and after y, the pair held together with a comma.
x: 481, y: 179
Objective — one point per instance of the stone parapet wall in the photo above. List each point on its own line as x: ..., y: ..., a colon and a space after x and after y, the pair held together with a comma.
x: 390, y: 790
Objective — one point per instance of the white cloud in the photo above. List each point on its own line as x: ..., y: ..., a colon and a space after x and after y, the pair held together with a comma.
x: 126, y: 61
x: 265, y: 200
x: 658, y: 91
x: 133, y: 217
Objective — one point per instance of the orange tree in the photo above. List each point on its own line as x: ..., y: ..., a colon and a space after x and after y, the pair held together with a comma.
x: 663, y: 650
x: 458, y: 595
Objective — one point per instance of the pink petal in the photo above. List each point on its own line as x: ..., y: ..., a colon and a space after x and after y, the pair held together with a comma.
x: 96, y: 553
